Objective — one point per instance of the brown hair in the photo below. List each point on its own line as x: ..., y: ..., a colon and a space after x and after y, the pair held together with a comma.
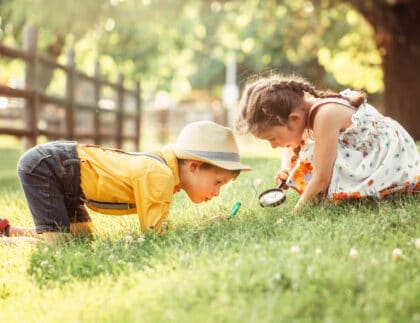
x: 268, y: 101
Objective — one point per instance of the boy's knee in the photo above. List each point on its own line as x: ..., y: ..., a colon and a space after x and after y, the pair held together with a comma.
x: 82, y: 228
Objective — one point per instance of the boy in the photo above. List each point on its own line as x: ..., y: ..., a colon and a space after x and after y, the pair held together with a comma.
x: 60, y: 178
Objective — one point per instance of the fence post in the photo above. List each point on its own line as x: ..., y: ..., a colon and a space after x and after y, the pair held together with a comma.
x: 120, y: 111
x: 30, y: 44
x: 70, y: 89
x: 97, y: 112
x: 164, y: 124
x: 138, y: 116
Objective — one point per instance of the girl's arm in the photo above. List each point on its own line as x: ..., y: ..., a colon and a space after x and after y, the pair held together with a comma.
x: 327, y: 124
x: 286, y: 165
x: 286, y: 157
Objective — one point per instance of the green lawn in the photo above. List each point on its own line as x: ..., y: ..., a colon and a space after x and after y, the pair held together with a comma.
x: 265, y: 265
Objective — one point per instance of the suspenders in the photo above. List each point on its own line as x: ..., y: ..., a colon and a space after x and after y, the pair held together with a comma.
x: 123, y: 206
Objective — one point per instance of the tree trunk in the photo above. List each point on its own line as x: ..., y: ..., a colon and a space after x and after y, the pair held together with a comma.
x: 397, y: 36
x: 401, y: 65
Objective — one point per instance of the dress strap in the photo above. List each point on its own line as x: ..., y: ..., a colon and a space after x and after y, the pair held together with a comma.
x: 325, y: 101
x: 330, y: 100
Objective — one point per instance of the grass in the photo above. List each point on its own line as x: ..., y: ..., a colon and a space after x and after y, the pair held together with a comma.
x: 265, y: 265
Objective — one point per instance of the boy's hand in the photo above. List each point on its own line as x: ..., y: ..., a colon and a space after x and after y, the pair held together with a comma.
x: 166, y: 226
x: 282, y: 175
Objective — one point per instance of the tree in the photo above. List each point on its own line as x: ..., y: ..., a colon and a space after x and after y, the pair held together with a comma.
x: 56, y: 19
x: 179, y: 45
x: 397, y: 36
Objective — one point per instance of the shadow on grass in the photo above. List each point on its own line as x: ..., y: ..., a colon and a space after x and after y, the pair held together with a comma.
x: 82, y: 259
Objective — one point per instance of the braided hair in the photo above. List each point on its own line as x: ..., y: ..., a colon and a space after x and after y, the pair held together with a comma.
x: 269, y: 101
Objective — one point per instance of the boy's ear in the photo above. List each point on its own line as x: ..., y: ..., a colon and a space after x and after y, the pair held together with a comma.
x: 193, y: 165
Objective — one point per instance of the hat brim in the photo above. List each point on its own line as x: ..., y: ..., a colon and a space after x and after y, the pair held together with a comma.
x: 225, y: 164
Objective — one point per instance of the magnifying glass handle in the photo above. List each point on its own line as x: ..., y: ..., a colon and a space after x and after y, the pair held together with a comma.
x: 282, y: 182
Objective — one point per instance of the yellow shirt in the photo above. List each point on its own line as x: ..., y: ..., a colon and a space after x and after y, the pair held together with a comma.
x: 113, y: 176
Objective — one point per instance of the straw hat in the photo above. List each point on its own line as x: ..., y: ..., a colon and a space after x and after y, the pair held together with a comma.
x: 209, y: 142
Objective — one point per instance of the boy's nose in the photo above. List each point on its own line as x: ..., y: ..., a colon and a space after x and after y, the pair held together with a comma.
x: 216, y: 192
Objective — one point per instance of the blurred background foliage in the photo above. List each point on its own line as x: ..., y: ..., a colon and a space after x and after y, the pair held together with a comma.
x: 182, y: 46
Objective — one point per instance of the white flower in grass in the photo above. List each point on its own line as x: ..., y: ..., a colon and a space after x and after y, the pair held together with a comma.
x: 277, y: 277
x: 318, y: 251
x: 129, y: 239
x: 295, y: 249
x: 257, y: 182
x: 141, y: 240
x: 44, y: 263
x: 397, y: 254
x: 280, y: 221
x: 184, y: 260
x: 45, y: 250
x: 417, y: 243
x: 354, y: 254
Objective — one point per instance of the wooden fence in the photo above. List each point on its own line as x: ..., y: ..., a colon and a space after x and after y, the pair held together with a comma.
x: 61, y: 116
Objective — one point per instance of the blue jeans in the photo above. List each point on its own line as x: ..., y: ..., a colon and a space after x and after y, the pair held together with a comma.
x: 50, y: 177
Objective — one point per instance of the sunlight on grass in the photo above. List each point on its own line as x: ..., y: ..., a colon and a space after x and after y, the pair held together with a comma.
x: 334, y: 263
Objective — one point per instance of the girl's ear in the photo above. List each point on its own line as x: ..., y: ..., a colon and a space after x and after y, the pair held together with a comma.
x: 193, y: 165
x: 293, y: 118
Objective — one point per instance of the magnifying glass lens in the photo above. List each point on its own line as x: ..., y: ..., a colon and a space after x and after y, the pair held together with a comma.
x: 272, y: 198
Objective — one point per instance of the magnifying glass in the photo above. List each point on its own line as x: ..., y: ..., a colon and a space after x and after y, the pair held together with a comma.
x: 272, y: 197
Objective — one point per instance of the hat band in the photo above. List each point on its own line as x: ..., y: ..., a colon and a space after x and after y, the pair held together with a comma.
x: 216, y: 155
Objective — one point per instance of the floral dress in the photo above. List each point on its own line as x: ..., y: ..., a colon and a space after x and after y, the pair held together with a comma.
x: 375, y: 157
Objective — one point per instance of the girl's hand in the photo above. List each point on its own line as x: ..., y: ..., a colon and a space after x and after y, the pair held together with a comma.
x: 282, y: 175
x: 298, y: 208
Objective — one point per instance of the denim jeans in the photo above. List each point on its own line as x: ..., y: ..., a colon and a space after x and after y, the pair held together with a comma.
x: 50, y: 178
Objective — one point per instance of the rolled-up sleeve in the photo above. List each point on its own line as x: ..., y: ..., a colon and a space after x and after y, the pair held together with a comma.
x: 153, y: 195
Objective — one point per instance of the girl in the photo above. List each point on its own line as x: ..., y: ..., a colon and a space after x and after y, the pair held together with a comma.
x: 334, y: 143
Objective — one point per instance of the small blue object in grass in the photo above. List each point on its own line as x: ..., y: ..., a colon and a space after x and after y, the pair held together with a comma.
x: 235, y: 209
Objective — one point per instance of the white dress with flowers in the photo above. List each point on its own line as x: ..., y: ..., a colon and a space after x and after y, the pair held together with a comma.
x: 376, y: 156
